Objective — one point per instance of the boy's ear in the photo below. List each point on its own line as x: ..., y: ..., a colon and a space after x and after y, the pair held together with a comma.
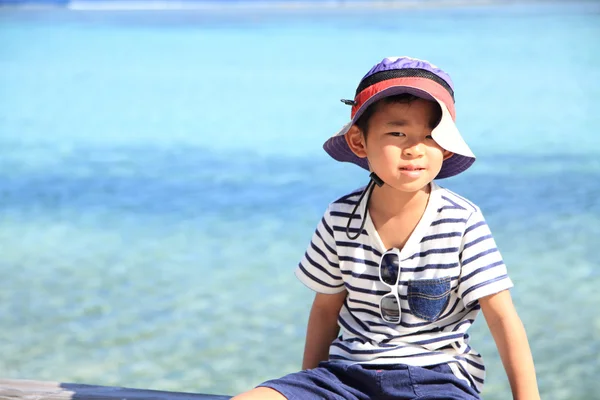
x: 356, y: 141
x: 447, y: 154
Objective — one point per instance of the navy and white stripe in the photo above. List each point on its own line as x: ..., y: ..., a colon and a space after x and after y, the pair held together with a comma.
x: 452, y: 240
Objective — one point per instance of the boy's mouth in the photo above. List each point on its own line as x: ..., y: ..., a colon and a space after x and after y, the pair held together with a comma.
x: 411, y: 168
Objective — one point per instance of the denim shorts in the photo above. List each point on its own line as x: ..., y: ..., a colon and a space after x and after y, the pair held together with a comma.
x: 341, y: 381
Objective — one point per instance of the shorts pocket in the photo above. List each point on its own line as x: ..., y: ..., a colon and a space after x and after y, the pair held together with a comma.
x: 427, y: 298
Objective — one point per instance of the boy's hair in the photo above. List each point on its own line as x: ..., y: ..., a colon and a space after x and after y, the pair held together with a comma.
x: 404, y: 98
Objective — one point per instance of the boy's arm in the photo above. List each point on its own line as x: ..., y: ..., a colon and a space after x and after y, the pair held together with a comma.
x: 322, y: 327
x: 510, y: 337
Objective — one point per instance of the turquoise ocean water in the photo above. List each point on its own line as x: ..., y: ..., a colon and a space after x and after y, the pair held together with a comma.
x: 162, y: 173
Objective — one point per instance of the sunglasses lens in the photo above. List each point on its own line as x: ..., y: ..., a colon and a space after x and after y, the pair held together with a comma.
x: 390, y: 265
x: 390, y: 310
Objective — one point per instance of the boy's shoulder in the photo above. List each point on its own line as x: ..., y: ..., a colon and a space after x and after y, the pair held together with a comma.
x: 344, y: 205
x: 349, y: 199
x: 451, y: 200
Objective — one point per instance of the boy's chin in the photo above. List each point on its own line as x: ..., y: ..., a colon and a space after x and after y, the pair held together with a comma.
x: 411, y: 187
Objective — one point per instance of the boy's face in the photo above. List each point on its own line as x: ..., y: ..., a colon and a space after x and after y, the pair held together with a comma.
x: 399, y: 145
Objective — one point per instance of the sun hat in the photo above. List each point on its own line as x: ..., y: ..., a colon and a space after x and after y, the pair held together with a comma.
x: 398, y: 75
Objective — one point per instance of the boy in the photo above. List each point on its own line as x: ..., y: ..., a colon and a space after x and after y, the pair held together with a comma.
x: 403, y: 266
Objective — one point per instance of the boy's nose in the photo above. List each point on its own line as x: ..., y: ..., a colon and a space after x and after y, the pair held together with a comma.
x: 415, y: 149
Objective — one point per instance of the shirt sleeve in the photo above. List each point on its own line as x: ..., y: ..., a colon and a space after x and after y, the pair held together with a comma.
x: 319, y: 269
x: 482, y: 269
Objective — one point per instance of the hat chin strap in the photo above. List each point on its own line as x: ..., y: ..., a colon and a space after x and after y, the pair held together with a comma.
x: 375, y: 180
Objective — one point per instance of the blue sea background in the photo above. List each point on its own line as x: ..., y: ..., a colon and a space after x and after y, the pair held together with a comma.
x: 161, y: 175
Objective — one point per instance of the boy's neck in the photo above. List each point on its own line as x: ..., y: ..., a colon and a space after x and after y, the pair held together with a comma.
x: 389, y: 202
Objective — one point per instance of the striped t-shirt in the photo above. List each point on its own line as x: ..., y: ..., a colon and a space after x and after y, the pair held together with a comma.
x: 450, y: 245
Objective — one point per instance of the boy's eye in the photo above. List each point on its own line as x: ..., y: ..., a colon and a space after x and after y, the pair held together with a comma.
x: 429, y: 137
x: 396, y: 134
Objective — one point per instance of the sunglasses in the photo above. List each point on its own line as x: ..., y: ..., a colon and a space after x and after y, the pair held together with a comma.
x: 389, y: 274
